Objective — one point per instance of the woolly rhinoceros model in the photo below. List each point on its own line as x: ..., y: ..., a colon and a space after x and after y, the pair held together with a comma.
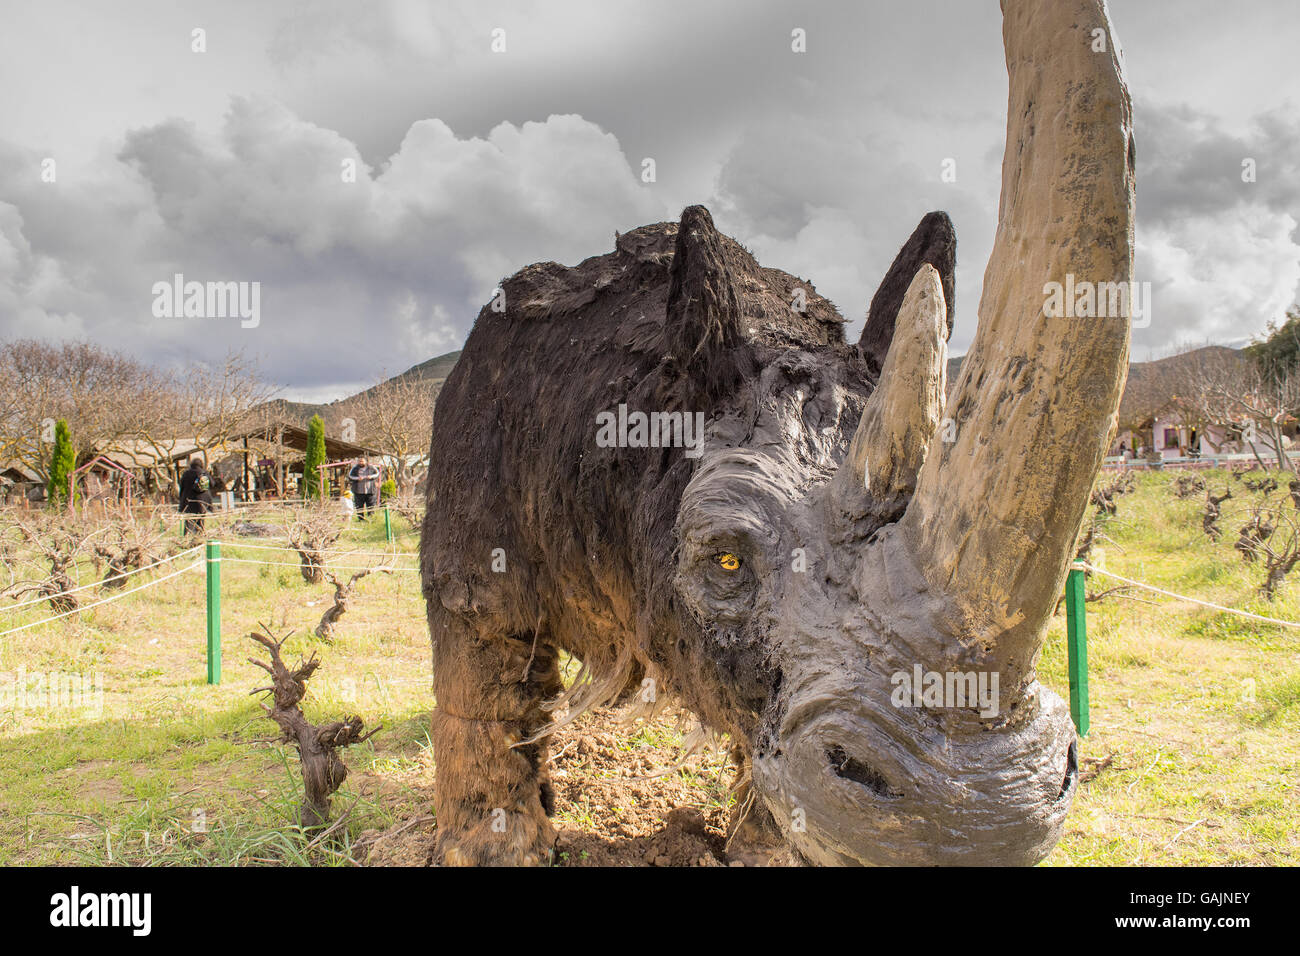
x: 668, y: 463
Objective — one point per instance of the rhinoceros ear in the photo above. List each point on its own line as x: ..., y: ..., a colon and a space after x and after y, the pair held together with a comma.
x: 702, y: 329
x: 933, y: 242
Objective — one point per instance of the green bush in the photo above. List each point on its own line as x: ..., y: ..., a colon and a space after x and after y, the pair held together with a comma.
x: 387, y: 490
x: 315, y: 457
x: 62, y: 463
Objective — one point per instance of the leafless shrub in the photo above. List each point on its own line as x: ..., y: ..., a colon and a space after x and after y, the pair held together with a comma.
x: 129, y: 545
x: 342, y: 597
x: 1280, y: 553
x: 323, y: 771
x: 1210, y: 519
x: 1265, y: 485
x: 60, y: 541
x: 312, y: 531
x: 1258, y: 529
x: 1103, y: 496
x: 409, y: 508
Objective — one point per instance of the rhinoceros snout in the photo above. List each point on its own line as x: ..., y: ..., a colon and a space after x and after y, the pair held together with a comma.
x: 855, y: 787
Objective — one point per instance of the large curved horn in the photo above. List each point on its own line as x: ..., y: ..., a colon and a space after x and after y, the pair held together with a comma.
x: 996, y: 511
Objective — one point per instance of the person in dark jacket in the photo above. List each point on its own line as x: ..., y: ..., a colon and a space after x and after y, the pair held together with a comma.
x: 196, y: 495
x: 365, y: 486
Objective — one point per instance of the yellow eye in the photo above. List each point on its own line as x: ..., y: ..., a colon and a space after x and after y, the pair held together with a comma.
x: 728, y: 561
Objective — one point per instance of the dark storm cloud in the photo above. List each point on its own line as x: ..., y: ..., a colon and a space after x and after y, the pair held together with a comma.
x: 1189, y: 165
x: 1218, y: 244
x: 376, y: 273
x: 472, y: 164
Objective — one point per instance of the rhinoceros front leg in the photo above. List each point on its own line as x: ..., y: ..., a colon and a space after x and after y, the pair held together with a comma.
x: 492, y: 797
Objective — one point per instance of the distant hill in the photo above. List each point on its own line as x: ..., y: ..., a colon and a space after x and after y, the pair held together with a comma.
x: 435, y: 370
x: 1147, y: 387
x: 1144, y: 390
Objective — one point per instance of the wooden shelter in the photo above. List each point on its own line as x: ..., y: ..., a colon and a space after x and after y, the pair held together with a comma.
x: 293, y: 437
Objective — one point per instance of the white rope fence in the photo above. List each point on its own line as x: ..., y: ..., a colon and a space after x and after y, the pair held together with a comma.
x: 197, y: 565
x: 343, y: 551
x: 323, y: 567
x: 1183, y: 597
x: 333, y: 567
x: 115, y: 597
x: 95, y: 584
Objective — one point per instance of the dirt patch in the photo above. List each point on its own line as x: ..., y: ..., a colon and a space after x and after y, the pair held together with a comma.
x: 409, y: 843
x: 94, y: 781
x: 625, y: 796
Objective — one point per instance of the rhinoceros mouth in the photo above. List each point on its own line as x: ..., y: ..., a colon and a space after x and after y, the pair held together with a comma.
x: 1071, y: 773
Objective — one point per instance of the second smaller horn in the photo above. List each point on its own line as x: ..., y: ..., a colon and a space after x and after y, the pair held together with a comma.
x: 902, y: 414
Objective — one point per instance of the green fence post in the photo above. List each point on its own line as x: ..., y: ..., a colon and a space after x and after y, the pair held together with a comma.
x: 214, y: 612
x: 1076, y: 642
x: 388, y: 525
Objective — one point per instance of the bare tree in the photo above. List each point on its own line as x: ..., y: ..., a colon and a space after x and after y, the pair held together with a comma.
x: 1233, y: 392
x: 206, y: 406
x: 101, y: 394
x: 114, y: 403
x: 396, y: 418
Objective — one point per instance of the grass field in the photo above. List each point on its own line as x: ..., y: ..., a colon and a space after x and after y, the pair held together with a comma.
x: 1192, y: 756
x: 1193, y: 753
x: 170, y: 769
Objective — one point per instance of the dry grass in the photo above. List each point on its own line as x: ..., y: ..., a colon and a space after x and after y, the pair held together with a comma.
x: 168, y: 768
x: 1192, y: 757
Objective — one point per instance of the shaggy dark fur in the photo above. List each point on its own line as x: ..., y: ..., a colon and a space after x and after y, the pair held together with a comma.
x: 678, y: 318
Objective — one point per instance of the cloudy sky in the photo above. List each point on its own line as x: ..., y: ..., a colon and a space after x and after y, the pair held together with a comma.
x: 230, y: 164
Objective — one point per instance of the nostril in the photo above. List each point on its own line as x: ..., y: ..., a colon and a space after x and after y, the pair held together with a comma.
x: 851, y: 768
x: 1071, y: 770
